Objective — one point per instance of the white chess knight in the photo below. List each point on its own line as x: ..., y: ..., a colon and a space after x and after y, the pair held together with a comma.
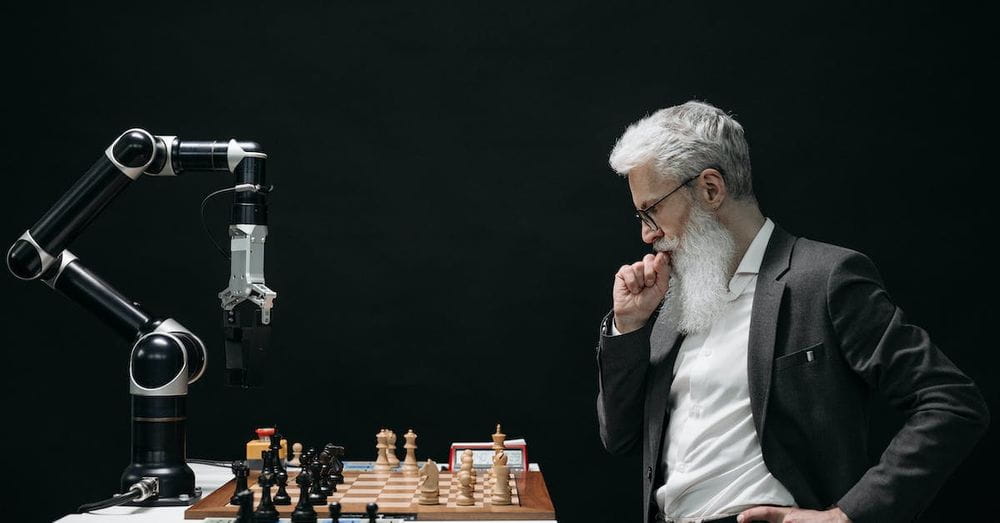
x: 428, y: 486
x: 501, y: 480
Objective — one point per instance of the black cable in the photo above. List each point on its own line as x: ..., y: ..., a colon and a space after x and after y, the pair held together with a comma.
x: 205, y: 225
x: 110, y: 502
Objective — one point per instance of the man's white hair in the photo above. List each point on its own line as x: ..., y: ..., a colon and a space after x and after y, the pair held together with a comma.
x: 683, y: 140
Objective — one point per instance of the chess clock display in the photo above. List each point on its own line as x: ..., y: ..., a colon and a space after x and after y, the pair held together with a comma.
x: 516, y: 451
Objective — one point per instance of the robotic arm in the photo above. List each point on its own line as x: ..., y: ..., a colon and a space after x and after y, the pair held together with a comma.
x: 165, y: 356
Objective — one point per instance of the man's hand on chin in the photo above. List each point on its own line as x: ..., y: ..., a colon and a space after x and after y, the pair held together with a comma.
x: 792, y: 515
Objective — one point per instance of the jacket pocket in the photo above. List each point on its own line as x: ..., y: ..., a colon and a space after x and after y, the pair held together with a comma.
x: 808, y: 355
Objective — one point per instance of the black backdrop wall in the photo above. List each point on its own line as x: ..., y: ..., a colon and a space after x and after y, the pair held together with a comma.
x: 445, y: 227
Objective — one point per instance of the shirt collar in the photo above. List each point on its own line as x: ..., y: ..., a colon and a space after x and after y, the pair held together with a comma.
x: 752, y: 259
x: 751, y: 262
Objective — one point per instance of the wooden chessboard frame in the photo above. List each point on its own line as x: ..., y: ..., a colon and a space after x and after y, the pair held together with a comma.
x: 531, y: 499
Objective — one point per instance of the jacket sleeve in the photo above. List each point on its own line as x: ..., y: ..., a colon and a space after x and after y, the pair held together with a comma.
x: 945, y: 412
x: 622, y: 362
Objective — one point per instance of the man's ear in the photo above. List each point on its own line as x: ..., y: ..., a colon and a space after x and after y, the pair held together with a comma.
x: 712, y: 188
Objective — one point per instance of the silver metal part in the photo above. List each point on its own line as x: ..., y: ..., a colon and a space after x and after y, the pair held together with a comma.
x: 46, y: 258
x: 246, y: 280
x: 168, y: 164
x: 235, y: 154
x: 177, y: 386
x: 131, y: 172
x: 65, y: 259
x: 148, y: 487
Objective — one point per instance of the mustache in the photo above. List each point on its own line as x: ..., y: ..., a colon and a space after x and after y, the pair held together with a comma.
x: 667, y: 244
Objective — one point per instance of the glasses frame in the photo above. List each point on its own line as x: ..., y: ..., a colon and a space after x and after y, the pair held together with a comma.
x: 647, y: 219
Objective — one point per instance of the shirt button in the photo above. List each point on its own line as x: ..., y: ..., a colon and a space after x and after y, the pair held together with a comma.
x: 707, y: 353
x: 649, y: 473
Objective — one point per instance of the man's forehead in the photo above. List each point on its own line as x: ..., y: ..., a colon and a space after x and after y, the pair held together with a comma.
x: 645, y: 185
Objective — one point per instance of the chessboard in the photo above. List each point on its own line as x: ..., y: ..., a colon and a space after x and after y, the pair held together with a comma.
x: 396, y: 496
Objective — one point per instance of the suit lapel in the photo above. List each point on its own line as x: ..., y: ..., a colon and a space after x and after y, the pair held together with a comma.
x: 764, y: 321
x: 664, y: 340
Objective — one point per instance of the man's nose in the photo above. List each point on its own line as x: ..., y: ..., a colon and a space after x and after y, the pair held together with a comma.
x: 650, y: 235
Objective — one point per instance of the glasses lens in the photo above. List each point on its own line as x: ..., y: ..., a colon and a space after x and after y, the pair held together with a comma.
x: 646, y: 219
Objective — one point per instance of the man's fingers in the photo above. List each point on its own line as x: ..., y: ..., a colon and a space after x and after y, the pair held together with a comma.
x: 769, y: 514
x: 649, y: 269
x: 628, y: 276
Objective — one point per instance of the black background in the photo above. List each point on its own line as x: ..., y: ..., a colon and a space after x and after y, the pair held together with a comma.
x: 445, y: 227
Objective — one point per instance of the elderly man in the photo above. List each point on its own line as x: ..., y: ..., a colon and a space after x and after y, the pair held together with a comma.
x: 741, y: 358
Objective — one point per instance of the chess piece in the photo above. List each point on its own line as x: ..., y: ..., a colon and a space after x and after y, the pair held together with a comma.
x: 267, y: 466
x: 391, y: 449
x: 316, y: 495
x: 336, y: 465
x: 242, y: 472
x: 282, y: 497
x: 276, y: 453
x: 296, y: 455
x: 501, y: 480
x: 304, y: 513
x: 382, y: 461
x: 372, y: 511
x: 429, y: 492
x: 498, y: 446
x: 334, y: 512
x: 465, y: 489
x: 324, y: 472
x: 266, y: 512
x: 410, y: 467
x: 244, y: 499
x: 468, y: 466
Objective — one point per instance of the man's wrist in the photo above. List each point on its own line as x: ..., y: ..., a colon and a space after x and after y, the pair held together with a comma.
x: 624, y: 327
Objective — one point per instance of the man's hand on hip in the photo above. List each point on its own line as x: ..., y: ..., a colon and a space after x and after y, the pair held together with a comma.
x: 792, y: 515
x: 638, y: 289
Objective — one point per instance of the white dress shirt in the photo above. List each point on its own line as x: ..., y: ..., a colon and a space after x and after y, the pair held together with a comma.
x: 714, y: 465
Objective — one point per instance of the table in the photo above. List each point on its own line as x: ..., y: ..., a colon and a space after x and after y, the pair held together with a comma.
x: 207, y: 477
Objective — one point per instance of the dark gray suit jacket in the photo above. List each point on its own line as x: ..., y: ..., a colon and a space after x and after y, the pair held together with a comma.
x: 811, y: 416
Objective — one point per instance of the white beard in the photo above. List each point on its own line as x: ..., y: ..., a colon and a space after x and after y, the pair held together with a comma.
x: 699, y: 277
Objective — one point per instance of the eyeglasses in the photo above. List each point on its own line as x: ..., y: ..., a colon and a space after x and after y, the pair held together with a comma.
x: 646, y: 218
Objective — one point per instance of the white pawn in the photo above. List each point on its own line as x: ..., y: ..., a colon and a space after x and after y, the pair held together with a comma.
x: 296, y: 454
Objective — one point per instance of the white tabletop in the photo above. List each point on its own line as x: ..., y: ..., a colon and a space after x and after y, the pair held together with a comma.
x: 207, y: 477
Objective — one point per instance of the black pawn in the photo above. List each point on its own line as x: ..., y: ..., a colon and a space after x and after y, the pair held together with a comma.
x: 265, y: 513
x: 334, y: 512
x: 282, y: 497
x: 245, y: 501
x: 242, y: 471
x: 372, y: 510
x: 304, y: 512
